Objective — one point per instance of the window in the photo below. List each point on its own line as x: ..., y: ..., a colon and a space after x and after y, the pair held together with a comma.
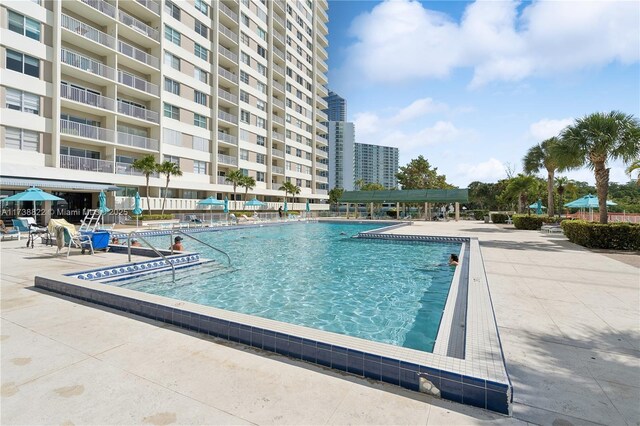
x: 171, y: 111
x: 260, y: 176
x: 199, y: 120
x: 172, y: 137
x: 202, y: 7
x: 245, y: 19
x: 244, y: 135
x: 245, y: 39
x: 200, y: 52
x: 21, y: 139
x: 245, y: 58
x: 261, y: 158
x: 172, y: 35
x: 261, y: 105
x: 200, y: 98
x: 79, y: 152
x: 172, y: 86
x: 23, y: 25
x: 199, y: 167
x: 172, y: 60
x: 244, y: 154
x: 262, y: 51
x: 262, y: 70
x: 172, y: 9
x: 189, y: 194
x: 262, y: 33
x: 200, y: 74
x: 201, y: 144
x: 245, y: 117
x: 244, y: 77
x: 23, y: 101
x: 261, y: 122
x: 24, y: 64
x: 260, y: 140
x: 201, y: 29
x: 172, y: 159
x: 261, y: 87
x: 244, y: 96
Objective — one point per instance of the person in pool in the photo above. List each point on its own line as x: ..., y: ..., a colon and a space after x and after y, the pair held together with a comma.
x: 453, y: 259
x: 177, y: 244
x: 135, y: 243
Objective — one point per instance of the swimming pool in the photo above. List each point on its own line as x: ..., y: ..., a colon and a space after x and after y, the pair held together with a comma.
x: 316, y: 275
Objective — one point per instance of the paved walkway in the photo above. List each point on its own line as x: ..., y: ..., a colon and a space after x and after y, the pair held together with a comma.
x: 569, y: 321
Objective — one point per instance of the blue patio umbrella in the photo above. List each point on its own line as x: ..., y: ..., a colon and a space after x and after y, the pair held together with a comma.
x: 539, y: 206
x: 33, y: 194
x: 254, y: 202
x: 137, y: 210
x: 285, y: 206
x: 211, y: 201
x: 226, y: 205
x: 535, y: 206
x: 102, y: 203
x: 308, y: 208
x: 587, y: 202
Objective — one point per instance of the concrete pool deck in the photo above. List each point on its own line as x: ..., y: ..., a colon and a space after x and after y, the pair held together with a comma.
x: 569, y: 320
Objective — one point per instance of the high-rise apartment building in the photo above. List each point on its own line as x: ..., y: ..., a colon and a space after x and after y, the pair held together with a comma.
x: 341, y: 154
x: 376, y: 164
x: 90, y: 86
x: 337, y: 107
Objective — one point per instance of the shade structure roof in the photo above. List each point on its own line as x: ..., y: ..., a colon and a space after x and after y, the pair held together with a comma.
x: 407, y: 196
x: 210, y: 201
x: 33, y: 194
x: 254, y: 202
x: 19, y: 182
x: 588, y: 201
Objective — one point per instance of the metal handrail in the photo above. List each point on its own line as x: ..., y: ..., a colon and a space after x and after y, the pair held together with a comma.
x: 173, y: 268
x: 177, y: 231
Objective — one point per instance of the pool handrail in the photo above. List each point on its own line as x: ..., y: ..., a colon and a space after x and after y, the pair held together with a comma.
x: 177, y: 231
x: 173, y: 268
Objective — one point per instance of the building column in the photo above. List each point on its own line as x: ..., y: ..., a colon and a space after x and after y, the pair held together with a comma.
x: 397, y: 211
x: 47, y: 212
x: 457, y: 211
x: 347, y: 210
x: 371, y: 210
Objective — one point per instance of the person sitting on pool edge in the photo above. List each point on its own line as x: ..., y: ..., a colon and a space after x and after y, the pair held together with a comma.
x: 453, y: 260
x: 177, y: 244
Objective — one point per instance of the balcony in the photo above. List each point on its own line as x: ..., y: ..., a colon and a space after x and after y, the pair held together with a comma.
x: 279, y: 37
x: 87, y: 164
x: 127, y: 169
x: 278, y: 120
x: 227, y: 159
x: 324, y: 40
x: 86, y: 98
x: 137, y: 112
x: 137, y: 83
x: 277, y: 102
x: 102, y: 6
x: 280, y: 4
x: 277, y: 68
x: 230, y: 139
x: 86, y: 131
x: 279, y: 53
x: 138, y: 55
x: 87, y: 64
x: 322, y: 115
x: 277, y: 170
x: 227, y: 96
x: 228, y: 75
x: 230, y: 13
x: 137, y: 141
x: 151, y: 5
x: 138, y: 25
x: 87, y: 31
x: 322, y: 127
x: 277, y: 136
x: 279, y: 20
x: 228, y: 54
x: 278, y: 86
x: 221, y: 180
x: 321, y: 166
x: 322, y: 140
x: 228, y: 33
x: 228, y: 117
x: 277, y: 152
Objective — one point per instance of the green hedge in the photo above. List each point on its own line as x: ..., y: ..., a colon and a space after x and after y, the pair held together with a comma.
x: 154, y: 216
x: 478, y: 214
x: 614, y: 236
x: 528, y: 222
x: 499, y: 217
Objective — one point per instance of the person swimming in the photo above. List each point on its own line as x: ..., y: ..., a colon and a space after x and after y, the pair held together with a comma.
x: 453, y: 259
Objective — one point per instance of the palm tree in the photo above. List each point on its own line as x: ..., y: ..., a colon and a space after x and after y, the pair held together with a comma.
x: 358, y: 184
x: 235, y: 177
x: 561, y: 183
x: 539, y: 156
x: 521, y: 187
x: 168, y: 169
x: 147, y: 166
x: 596, y: 138
x: 635, y: 165
x: 289, y: 188
x: 247, y: 183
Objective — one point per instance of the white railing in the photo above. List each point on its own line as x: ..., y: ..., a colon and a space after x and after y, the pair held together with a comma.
x: 279, y: 20
x: 86, y: 131
x: 322, y: 116
x: 230, y: 34
x: 137, y: 141
x: 321, y: 127
x: 151, y: 5
x: 278, y: 86
x: 230, y: 139
x: 277, y: 170
x: 278, y: 52
x: 88, y: 164
x: 87, y: 64
x: 230, y: 13
x: 87, y: 31
x: 102, y: 6
x: 222, y: 180
x: 228, y: 54
x: 277, y: 152
x: 137, y: 54
x: 278, y: 120
x: 227, y: 117
x: 278, y: 102
x: 278, y: 69
x: 277, y: 136
x: 86, y: 98
x: 227, y: 74
x: 321, y: 153
x: 227, y: 159
x: 227, y: 95
x: 280, y: 4
x: 137, y: 112
x: 127, y: 169
x: 321, y: 166
x: 278, y: 36
x: 137, y: 83
x: 138, y: 26
x: 323, y: 38
x: 322, y: 191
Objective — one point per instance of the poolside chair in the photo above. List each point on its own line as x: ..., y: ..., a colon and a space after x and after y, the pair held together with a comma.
x: 193, y: 218
x: 65, y: 238
x: 9, y: 233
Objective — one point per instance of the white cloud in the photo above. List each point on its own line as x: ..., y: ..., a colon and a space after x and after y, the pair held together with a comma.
x: 402, y: 40
x: 366, y: 123
x: 548, y: 128
x: 418, y: 108
x: 489, y: 171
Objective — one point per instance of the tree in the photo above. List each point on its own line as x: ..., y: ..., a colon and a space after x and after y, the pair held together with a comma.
x: 168, y: 169
x: 539, y: 156
x: 358, y: 184
x: 247, y: 182
x: 235, y: 177
x: 289, y: 188
x: 635, y: 165
x: 372, y: 187
x: 561, y: 183
x: 147, y: 166
x: 419, y: 175
x: 334, y: 195
x: 521, y: 188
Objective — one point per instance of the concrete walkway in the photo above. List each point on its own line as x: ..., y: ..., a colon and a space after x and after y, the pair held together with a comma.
x: 569, y: 320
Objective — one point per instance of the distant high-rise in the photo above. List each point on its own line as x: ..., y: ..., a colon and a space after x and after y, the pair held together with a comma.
x: 341, y: 154
x: 337, y: 109
x: 376, y: 164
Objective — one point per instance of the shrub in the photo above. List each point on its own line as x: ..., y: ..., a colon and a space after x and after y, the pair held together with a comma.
x: 155, y: 216
x: 531, y: 223
x: 479, y: 214
x: 614, y: 236
x: 499, y: 217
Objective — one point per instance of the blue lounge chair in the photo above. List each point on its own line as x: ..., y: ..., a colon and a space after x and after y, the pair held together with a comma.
x: 9, y: 233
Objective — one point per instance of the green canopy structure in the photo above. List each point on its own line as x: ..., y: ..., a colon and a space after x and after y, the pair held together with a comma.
x: 407, y: 196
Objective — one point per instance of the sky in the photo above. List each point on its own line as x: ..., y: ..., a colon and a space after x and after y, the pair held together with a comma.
x: 472, y: 86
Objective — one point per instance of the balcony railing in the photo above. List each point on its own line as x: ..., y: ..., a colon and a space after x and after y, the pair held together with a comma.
x: 137, y: 83
x: 227, y: 117
x: 277, y: 136
x: 278, y: 120
x: 228, y: 54
x: 228, y: 74
x: 127, y: 169
x: 230, y: 13
x: 222, y: 180
x: 151, y: 5
x: 87, y: 98
x: 137, y: 112
x: 87, y: 31
x: 278, y: 69
x: 87, y: 64
x: 278, y: 36
x: 138, y: 25
x: 226, y: 31
x: 86, y: 131
x: 277, y: 170
x: 137, y: 141
x: 227, y: 95
x: 87, y: 164
x: 279, y: 20
x: 277, y: 152
x: 322, y: 127
x: 321, y: 166
x: 102, y: 6
x: 227, y: 159
x: 137, y: 54
x: 280, y: 4
x: 278, y: 102
x: 230, y: 139
x: 279, y: 53
x: 278, y: 86
x: 321, y: 139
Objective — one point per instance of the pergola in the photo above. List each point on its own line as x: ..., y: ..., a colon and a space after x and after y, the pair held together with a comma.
x: 413, y: 196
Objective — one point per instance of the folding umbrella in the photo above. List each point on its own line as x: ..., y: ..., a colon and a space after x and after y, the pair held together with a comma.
x: 137, y: 210
x: 33, y: 194
x: 254, y: 202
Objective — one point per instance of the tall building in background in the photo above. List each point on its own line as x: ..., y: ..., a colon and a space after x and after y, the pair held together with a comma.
x: 341, y: 154
x: 88, y: 87
x: 376, y: 164
x: 337, y: 107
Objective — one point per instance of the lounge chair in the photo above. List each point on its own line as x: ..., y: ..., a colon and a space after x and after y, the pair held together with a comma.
x: 9, y: 233
x: 65, y: 238
x: 193, y: 218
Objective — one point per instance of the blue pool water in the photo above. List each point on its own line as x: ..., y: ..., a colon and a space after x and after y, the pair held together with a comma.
x: 316, y: 275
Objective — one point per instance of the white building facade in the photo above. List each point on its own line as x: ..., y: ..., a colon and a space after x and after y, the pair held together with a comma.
x: 376, y: 164
x: 341, y: 154
x: 89, y: 86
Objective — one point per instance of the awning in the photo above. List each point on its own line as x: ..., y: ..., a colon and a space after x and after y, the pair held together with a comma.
x: 16, y: 182
x: 407, y: 196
